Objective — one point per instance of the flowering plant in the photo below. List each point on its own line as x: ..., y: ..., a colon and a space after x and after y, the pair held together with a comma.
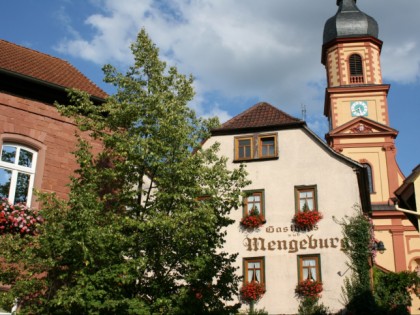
x: 308, y: 288
x: 306, y: 219
x: 252, y: 292
x: 252, y: 220
x: 18, y: 218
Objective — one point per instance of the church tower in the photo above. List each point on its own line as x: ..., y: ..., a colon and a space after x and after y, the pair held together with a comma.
x: 356, y: 98
x: 359, y: 125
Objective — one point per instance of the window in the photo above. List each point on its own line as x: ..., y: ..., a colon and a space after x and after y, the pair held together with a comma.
x: 370, y: 179
x: 254, y: 270
x: 356, y: 69
x: 309, y: 268
x: 369, y: 170
x: 17, y: 170
x: 254, y: 147
x: 267, y: 146
x: 254, y: 200
x: 243, y: 148
x: 306, y: 198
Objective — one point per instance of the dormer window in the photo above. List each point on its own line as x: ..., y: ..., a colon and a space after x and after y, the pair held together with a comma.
x: 244, y: 148
x: 267, y: 146
x: 356, y: 69
x: 256, y: 147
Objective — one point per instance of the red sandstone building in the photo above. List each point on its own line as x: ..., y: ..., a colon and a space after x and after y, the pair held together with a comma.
x: 36, y: 140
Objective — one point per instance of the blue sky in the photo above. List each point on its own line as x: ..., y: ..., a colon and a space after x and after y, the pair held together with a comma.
x: 240, y: 51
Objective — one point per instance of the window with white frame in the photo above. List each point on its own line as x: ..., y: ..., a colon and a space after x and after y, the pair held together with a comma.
x: 17, y: 172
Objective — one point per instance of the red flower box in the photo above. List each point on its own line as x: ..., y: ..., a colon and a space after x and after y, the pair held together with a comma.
x: 251, y: 221
x: 252, y: 292
x: 306, y: 220
x: 309, y: 288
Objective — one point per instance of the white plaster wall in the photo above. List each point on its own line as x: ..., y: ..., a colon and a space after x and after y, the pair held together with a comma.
x: 301, y: 162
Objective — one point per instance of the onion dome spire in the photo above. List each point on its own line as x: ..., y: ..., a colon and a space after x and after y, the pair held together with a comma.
x: 349, y: 21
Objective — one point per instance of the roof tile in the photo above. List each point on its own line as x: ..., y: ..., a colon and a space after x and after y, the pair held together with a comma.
x: 258, y: 116
x: 43, y: 67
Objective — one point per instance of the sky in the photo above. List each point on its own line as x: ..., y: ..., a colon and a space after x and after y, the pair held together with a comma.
x: 240, y: 52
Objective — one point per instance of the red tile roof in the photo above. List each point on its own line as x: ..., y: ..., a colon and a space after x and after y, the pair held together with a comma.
x: 259, y: 116
x: 43, y: 67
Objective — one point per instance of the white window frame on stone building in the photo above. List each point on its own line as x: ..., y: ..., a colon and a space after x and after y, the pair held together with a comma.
x: 17, y: 170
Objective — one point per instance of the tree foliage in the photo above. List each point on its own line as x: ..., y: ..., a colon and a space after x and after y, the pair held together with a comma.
x: 310, y: 306
x: 389, y: 293
x: 143, y: 229
x: 392, y: 290
x: 358, y: 237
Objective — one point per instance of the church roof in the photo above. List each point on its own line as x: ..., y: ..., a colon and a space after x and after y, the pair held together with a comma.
x: 260, y: 116
x: 349, y: 21
x: 32, y: 64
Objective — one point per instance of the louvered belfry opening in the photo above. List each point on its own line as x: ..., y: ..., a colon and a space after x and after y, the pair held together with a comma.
x: 356, y: 69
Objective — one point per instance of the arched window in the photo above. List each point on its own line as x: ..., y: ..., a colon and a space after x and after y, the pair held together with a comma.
x: 356, y: 69
x: 17, y: 172
x: 370, y: 178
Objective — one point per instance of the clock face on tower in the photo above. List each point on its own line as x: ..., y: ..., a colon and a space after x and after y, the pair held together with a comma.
x: 359, y: 108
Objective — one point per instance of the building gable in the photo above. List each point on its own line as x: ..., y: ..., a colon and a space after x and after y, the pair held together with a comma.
x: 261, y: 116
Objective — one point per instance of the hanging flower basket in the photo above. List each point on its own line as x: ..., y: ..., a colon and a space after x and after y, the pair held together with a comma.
x: 18, y: 219
x: 252, y: 292
x: 306, y: 220
x: 309, y: 288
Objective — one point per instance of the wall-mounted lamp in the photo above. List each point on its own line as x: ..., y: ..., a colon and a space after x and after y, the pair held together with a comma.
x: 379, y: 246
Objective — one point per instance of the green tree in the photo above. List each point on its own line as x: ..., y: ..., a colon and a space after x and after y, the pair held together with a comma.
x: 393, y: 290
x: 143, y: 229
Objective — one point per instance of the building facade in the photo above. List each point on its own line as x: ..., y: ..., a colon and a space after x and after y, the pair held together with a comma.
x: 357, y: 109
x: 408, y: 196
x: 36, y: 140
x: 290, y: 169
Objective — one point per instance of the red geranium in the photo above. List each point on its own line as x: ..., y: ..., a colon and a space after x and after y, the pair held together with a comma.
x: 306, y: 220
x: 309, y: 288
x: 252, y: 220
x: 252, y: 292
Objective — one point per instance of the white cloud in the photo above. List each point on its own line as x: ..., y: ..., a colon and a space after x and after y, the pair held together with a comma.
x: 402, y: 64
x: 269, y: 50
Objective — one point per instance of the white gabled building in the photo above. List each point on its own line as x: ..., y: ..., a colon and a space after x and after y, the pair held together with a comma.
x: 289, y: 165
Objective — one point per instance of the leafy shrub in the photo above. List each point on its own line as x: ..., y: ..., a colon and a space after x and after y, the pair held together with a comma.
x: 392, y: 290
x: 310, y: 306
